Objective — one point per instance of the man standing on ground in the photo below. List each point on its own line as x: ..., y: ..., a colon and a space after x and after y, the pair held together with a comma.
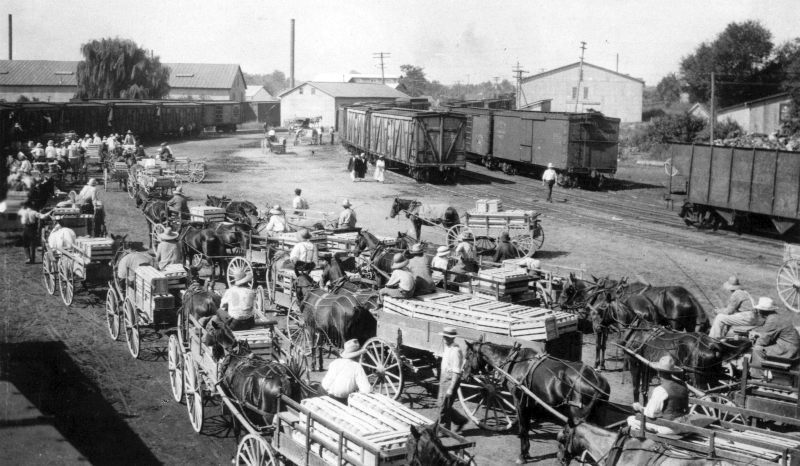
x: 30, y: 230
x: 450, y: 380
x: 299, y: 203
x: 345, y: 375
x: 739, y: 310
x: 351, y: 167
x: 549, y: 179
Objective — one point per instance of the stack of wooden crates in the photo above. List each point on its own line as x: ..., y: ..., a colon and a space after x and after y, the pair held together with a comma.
x: 95, y: 249
x: 151, y: 294
x: 509, y: 286
x: 203, y: 213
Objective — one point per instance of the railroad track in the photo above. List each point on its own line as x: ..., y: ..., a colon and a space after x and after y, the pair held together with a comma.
x: 632, y: 219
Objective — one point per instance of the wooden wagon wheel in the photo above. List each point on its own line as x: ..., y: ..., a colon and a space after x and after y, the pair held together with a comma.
x: 486, y: 401
x: 537, y: 233
x: 196, y: 172
x: 132, y: 187
x: 112, y: 314
x: 175, y: 366
x: 49, y: 271
x: 194, y: 392
x: 157, y: 229
x: 788, y: 281
x: 384, y: 368
x: 237, y: 265
x: 721, y: 414
x: 259, y: 303
x: 254, y: 450
x: 523, y: 244
x: 454, y: 234
x: 545, y: 299
x: 131, y: 327
x: 66, y: 280
x: 299, y: 333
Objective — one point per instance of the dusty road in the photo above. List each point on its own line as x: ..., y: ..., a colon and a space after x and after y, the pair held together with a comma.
x: 115, y: 410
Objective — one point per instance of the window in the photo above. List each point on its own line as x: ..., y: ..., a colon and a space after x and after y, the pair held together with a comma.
x: 301, y: 90
x: 574, y: 93
x: 585, y: 92
x: 313, y: 91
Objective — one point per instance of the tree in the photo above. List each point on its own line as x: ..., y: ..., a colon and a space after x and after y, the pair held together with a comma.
x: 787, y: 58
x: 740, y: 56
x: 274, y: 82
x: 118, y: 68
x: 414, y: 79
x: 669, y: 89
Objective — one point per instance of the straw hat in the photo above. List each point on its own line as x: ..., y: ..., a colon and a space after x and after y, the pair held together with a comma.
x: 240, y: 277
x: 399, y: 261
x: 416, y: 250
x: 87, y: 136
x: 163, y: 144
x: 732, y: 284
x: 351, y: 350
x: 550, y: 165
x: 467, y: 236
x: 443, y: 251
x: 666, y: 364
x: 276, y: 210
x: 303, y: 234
x: 129, y: 132
x: 91, y: 182
x: 50, y: 142
x: 38, y: 145
x: 168, y: 235
x: 178, y: 190
x: 766, y: 305
x: 346, y: 203
x: 504, y: 237
x: 449, y: 332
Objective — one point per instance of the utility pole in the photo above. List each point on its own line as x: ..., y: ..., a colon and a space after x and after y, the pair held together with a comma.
x: 10, y: 40
x: 381, y: 55
x: 617, y: 63
x: 580, y: 77
x: 518, y: 71
x: 291, y: 60
x: 713, y: 115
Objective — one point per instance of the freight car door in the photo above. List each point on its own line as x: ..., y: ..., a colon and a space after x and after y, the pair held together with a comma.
x: 506, y: 140
x: 549, y: 143
x: 526, y: 141
x: 479, y: 135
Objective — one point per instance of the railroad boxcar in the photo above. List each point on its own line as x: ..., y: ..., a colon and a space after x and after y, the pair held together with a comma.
x: 223, y: 116
x: 737, y: 186
x: 583, y: 147
x: 430, y: 145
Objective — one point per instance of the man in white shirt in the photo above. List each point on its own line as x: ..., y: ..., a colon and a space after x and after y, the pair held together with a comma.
x: 401, y: 284
x: 549, y: 179
x: 29, y: 219
x: 61, y: 237
x: 345, y: 375
x: 50, y: 150
x: 236, y: 307
x: 277, y: 221
x: 347, y: 219
x: 299, y: 203
x: 449, y: 380
x: 441, y: 262
x: 97, y: 139
x: 88, y: 194
x: 85, y: 142
x: 25, y: 166
x: 304, y: 251
x: 669, y: 401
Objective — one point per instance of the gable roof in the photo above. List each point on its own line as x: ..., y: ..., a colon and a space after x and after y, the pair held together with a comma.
x: 576, y: 65
x: 346, y: 77
x: 250, y: 91
x: 701, y: 107
x: 38, y: 73
x: 352, y: 90
x: 203, y: 75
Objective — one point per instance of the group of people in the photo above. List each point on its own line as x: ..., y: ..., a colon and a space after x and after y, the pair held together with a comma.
x: 357, y: 166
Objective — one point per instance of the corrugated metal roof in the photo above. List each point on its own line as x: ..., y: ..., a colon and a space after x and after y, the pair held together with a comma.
x: 354, y: 90
x: 203, y: 75
x: 575, y: 65
x: 750, y: 103
x: 346, y: 77
x: 38, y: 73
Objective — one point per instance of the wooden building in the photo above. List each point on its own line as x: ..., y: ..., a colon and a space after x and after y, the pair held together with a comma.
x: 764, y: 115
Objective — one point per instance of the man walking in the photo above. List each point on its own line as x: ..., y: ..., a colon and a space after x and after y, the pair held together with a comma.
x: 351, y: 167
x: 739, y: 310
x: 450, y: 380
x: 345, y: 375
x: 549, y: 179
x: 299, y: 203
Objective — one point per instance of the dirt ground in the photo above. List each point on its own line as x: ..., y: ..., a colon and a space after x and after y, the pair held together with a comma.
x: 115, y: 410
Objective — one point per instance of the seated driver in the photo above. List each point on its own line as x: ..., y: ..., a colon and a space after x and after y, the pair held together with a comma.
x: 236, y: 307
x: 669, y: 401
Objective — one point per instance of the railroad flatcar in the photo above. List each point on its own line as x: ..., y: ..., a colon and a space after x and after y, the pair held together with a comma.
x: 737, y: 186
x: 583, y: 147
x: 430, y: 145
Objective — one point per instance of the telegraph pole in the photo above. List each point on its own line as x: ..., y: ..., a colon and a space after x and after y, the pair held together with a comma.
x: 291, y: 59
x: 713, y: 116
x: 381, y: 55
x: 580, y: 77
x: 518, y: 71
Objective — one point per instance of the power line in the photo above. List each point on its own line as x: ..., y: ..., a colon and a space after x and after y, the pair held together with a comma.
x: 381, y: 55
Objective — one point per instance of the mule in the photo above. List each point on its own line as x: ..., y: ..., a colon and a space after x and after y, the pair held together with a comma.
x: 201, y: 304
x: 619, y: 448
x: 423, y: 448
x: 425, y: 214
x: 572, y: 388
x: 236, y: 211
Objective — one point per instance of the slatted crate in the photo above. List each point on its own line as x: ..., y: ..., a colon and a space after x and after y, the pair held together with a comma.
x: 503, y: 282
x: 290, y: 239
x: 66, y: 211
x: 176, y: 276
x: 387, y: 411
x: 205, y: 213
x: 152, y: 279
x: 95, y: 248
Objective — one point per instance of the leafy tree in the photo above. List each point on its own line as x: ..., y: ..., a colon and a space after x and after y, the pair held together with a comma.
x: 414, y: 79
x: 118, y: 68
x: 274, y: 82
x: 354, y: 72
x: 787, y: 58
x: 740, y: 55
x: 669, y: 89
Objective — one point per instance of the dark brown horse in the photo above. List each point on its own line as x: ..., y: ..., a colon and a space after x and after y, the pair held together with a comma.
x: 423, y: 448
x: 232, y: 235
x: 380, y: 257
x: 203, y: 242
x: 619, y: 448
x: 200, y: 304
x: 425, y: 214
x: 675, y: 304
x: 236, y: 211
x: 572, y: 388
x: 41, y: 193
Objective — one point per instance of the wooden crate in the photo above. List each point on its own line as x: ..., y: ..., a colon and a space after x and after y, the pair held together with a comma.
x: 176, y: 276
x: 494, y: 206
x: 205, y: 213
x: 290, y: 239
x: 151, y: 279
x: 481, y: 206
x: 95, y: 248
x: 66, y: 211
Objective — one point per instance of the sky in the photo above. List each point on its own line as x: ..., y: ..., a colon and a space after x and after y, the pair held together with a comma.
x: 463, y: 40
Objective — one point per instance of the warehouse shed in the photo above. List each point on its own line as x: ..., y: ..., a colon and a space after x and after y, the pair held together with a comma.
x: 764, y: 115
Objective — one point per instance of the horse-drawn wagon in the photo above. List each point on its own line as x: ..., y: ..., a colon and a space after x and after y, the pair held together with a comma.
x: 788, y: 279
x: 119, y: 172
x: 185, y: 169
x: 523, y: 227
x: 153, y: 182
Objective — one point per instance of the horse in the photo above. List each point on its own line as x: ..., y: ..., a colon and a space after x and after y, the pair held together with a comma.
x: 233, y: 235
x: 237, y: 211
x: 423, y: 448
x: 41, y: 193
x: 250, y: 380
x: 619, y: 448
x: 200, y: 304
x: 696, y: 353
x: 380, y: 258
x: 572, y: 388
x: 428, y: 214
x: 205, y: 241
x: 674, y: 303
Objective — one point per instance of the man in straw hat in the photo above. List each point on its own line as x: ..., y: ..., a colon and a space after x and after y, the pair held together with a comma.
x: 549, y: 179
x: 304, y: 251
x: 669, y: 401
x: 165, y: 153
x: 178, y: 205
x: 168, y: 251
x: 236, y: 307
x: 449, y: 380
x: 277, y: 220
x: 25, y: 166
x: 440, y: 263
x: 419, y: 268
x: 466, y: 247
x: 89, y: 194
x: 347, y: 219
x: 345, y: 375
x: 129, y: 139
x: 505, y: 249
x: 401, y: 283
x: 739, y: 310
x: 777, y: 337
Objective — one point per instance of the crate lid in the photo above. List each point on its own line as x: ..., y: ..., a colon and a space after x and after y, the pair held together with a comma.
x: 147, y: 272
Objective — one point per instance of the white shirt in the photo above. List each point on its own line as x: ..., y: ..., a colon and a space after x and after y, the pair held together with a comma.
x: 438, y: 263
x: 97, y: 140
x: 304, y: 251
x: 347, y: 219
x: 452, y: 359
x: 28, y: 216
x: 50, y: 152
x: 62, y: 238
x: 300, y: 203
x: 465, y: 250
x: 549, y: 175
x: 88, y: 193
x: 240, y: 302
x: 277, y: 224
x: 344, y: 377
x: 655, y: 404
x: 402, y: 278
x: 25, y: 166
